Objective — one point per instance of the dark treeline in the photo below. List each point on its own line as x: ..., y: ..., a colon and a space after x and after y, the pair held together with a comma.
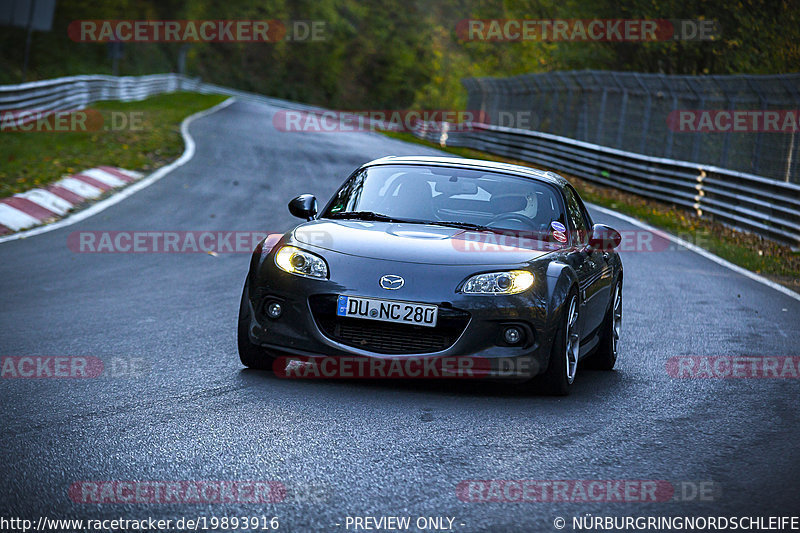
x: 392, y: 54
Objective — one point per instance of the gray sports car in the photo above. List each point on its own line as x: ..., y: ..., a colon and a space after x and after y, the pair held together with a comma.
x: 430, y: 257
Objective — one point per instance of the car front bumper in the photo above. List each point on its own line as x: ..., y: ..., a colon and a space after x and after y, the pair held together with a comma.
x: 469, y: 326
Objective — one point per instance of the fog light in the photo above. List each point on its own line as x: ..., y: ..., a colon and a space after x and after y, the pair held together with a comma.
x: 512, y: 335
x: 274, y: 310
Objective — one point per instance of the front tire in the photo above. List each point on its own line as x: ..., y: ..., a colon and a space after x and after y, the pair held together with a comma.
x: 251, y: 355
x: 563, y: 364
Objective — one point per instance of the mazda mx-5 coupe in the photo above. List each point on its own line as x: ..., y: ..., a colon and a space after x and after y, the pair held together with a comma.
x: 435, y: 257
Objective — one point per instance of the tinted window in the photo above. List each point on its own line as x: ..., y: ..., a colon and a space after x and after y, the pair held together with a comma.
x: 438, y: 194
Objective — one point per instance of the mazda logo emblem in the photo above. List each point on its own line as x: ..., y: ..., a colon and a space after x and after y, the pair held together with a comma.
x: 392, y: 282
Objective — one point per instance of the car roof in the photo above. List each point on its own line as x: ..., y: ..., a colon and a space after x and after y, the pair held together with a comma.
x: 460, y: 162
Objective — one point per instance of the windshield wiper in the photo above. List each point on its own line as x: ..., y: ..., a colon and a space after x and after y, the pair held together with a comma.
x: 379, y: 217
x: 465, y: 225
x: 367, y: 215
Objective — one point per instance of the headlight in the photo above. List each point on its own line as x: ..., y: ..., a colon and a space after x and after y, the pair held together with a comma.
x: 296, y: 261
x: 511, y: 282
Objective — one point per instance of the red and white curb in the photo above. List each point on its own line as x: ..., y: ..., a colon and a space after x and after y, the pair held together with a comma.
x: 37, y: 206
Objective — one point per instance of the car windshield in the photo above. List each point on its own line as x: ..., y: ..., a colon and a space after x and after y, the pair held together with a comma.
x: 472, y: 199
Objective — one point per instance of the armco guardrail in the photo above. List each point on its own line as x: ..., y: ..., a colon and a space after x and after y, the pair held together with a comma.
x: 76, y: 92
x: 767, y: 207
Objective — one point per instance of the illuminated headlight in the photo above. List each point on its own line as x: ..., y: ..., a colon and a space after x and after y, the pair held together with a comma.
x: 511, y: 282
x: 296, y: 261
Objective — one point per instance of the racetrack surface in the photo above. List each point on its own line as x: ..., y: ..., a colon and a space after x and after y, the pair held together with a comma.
x: 363, y: 448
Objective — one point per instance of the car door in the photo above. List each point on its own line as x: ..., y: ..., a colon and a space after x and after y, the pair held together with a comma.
x: 602, y: 284
x: 589, y: 264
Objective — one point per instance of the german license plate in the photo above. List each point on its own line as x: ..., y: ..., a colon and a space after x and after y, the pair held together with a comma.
x: 387, y: 310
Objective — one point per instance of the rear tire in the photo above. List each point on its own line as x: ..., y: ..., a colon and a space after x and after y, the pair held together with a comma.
x: 605, y: 356
x: 561, y: 369
x: 251, y: 355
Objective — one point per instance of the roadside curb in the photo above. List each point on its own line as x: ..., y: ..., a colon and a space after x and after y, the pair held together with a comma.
x: 40, y: 206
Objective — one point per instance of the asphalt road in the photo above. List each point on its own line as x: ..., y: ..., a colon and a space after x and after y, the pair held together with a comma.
x: 363, y: 448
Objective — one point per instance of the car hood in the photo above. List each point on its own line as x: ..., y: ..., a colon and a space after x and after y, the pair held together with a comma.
x: 419, y: 243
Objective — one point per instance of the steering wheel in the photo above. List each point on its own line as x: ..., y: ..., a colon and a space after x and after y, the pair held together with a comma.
x: 520, y: 220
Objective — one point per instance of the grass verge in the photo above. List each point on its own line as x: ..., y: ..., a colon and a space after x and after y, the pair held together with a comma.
x: 753, y: 252
x: 140, y: 136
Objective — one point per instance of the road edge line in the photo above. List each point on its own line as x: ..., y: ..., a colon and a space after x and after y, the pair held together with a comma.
x: 699, y: 251
x: 187, y: 155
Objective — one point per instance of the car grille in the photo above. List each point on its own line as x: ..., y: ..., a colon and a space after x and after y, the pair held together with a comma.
x: 385, y: 337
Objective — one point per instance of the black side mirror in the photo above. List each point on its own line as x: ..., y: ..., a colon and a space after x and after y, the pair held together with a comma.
x: 604, y: 238
x: 304, y: 206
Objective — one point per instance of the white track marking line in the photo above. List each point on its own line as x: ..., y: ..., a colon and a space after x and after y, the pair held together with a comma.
x: 15, y: 219
x: 48, y: 200
x: 188, y: 154
x: 700, y: 251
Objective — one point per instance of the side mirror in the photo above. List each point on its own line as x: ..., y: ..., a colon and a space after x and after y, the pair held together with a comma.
x: 604, y: 238
x: 304, y: 206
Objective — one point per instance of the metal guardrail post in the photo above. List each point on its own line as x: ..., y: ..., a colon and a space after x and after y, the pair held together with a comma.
x: 674, y: 98
x: 763, y: 105
x: 726, y: 141
x: 583, y: 116
x: 537, y: 104
x: 623, y: 106
x: 566, y: 113
x: 554, y: 105
x: 700, y: 97
x: 647, y: 109
x: 793, y: 157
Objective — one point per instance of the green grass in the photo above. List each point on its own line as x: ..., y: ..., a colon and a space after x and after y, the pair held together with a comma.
x: 34, y: 159
x: 744, y: 249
